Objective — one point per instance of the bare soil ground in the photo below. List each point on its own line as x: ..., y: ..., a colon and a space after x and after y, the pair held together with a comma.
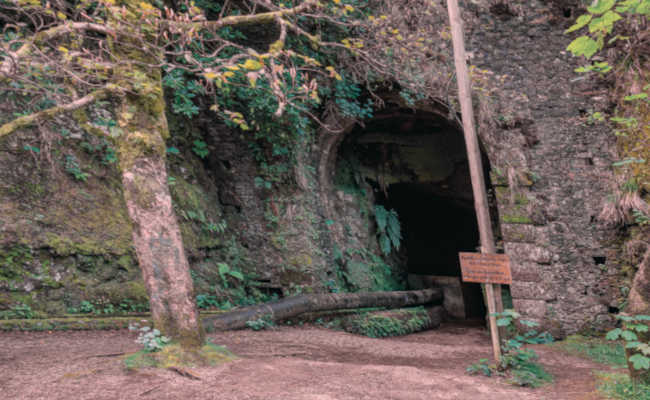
x: 306, y: 363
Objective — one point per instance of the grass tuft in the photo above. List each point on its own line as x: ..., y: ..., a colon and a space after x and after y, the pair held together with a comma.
x: 173, y: 355
x: 618, y: 386
x: 595, y: 349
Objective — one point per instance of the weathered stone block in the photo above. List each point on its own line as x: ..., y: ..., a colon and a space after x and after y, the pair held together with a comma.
x: 530, y: 308
x: 531, y: 291
x: 521, y: 233
x: 525, y: 271
x: 528, y: 252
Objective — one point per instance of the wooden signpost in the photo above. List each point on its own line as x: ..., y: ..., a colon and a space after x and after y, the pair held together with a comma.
x: 475, y: 166
x: 488, y: 269
x: 485, y: 268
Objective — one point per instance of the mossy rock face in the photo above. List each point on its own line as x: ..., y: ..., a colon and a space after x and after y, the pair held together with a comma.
x: 64, y: 240
x: 68, y: 324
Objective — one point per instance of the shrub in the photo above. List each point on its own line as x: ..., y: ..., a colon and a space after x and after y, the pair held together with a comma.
x: 518, y: 363
x: 152, y: 340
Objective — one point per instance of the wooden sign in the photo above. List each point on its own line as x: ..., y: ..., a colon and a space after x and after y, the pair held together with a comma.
x: 485, y: 268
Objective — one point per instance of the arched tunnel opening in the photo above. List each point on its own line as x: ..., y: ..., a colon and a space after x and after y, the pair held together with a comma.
x: 416, y: 164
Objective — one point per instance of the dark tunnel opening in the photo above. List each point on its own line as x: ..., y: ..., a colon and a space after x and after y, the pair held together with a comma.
x: 434, y: 230
x: 416, y: 163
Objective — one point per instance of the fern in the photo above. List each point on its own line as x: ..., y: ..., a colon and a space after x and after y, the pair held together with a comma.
x: 389, y: 233
x: 394, y: 230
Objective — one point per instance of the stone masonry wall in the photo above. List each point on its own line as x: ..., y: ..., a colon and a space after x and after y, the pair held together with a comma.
x: 551, y: 169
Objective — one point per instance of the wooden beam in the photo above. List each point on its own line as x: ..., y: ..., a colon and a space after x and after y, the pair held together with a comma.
x: 475, y: 164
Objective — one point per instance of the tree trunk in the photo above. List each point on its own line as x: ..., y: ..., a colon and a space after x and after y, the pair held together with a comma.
x: 141, y: 153
x: 156, y: 234
x: 293, y: 306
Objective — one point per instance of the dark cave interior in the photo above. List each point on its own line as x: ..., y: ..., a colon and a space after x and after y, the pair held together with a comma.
x: 417, y: 165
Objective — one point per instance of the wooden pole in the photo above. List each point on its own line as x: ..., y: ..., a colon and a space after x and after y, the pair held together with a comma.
x: 475, y: 165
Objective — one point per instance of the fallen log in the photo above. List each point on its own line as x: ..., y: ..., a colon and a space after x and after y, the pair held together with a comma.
x: 296, y: 305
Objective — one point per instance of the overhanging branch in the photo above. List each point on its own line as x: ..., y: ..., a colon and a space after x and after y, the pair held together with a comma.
x: 238, y: 20
x: 13, y: 58
x: 31, y: 119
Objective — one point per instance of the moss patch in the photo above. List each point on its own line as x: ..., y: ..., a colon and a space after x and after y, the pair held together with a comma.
x: 390, y: 323
x: 174, y: 355
x: 516, y: 219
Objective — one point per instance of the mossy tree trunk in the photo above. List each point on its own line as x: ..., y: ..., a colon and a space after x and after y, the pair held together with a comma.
x: 156, y: 234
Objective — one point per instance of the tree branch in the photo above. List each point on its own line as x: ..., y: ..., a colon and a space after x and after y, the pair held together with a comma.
x: 238, y: 20
x: 30, y: 119
x: 13, y: 58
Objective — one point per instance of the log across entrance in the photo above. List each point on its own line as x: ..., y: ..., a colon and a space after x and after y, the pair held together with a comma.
x: 296, y: 305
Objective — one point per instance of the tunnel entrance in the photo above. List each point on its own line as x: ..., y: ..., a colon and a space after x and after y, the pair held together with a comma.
x: 416, y: 164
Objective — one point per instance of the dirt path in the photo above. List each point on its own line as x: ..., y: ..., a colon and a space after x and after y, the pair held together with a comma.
x: 289, y: 363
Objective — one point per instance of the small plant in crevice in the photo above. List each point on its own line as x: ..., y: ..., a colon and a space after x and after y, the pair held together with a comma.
x: 200, y: 217
x: 206, y: 301
x: 151, y: 339
x: 72, y: 167
x: 19, y: 311
x: 517, y: 363
x: 200, y: 148
x: 388, y: 229
x: 225, y: 271
x: 640, y: 218
x: 103, y: 306
x: 100, y: 150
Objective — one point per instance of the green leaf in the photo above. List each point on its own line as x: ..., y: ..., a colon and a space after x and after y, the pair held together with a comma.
x: 581, y: 22
x: 643, y: 8
x: 613, y: 334
x: 633, y: 97
x: 644, y: 348
x: 629, y: 335
x: 511, y: 313
x: 381, y: 215
x: 583, y: 46
x: 252, y: 65
x: 504, y: 321
x: 628, y: 161
x: 638, y: 327
x: 33, y: 149
x: 223, y: 268
x: 601, y: 6
x: 604, y: 23
x: 640, y: 361
x: 236, y: 274
x: 528, y: 323
x: 627, y: 5
x: 172, y: 150
x: 632, y: 345
x: 384, y: 243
